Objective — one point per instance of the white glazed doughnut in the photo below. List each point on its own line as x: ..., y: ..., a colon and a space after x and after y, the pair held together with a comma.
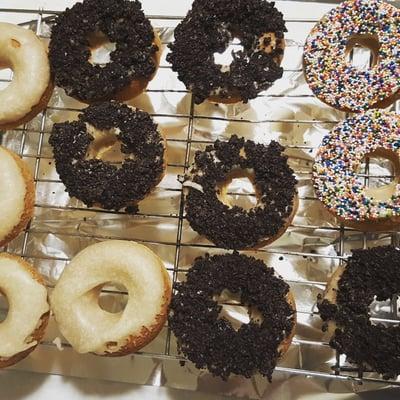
x: 88, y: 327
x: 17, y: 195
x: 28, y: 311
x: 30, y: 89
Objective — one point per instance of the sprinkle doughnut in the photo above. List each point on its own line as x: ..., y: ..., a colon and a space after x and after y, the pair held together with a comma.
x: 17, y: 195
x: 28, y: 312
x: 344, y: 308
x: 209, y: 28
x: 132, y: 64
x: 332, y: 78
x: 338, y: 159
x: 30, y: 89
x: 210, y: 212
x: 210, y: 341
x: 89, y: 328
x: 86, y: 152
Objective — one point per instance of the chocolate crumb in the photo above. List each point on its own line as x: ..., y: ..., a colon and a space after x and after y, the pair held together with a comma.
x: 236, y: 228
x: 212, y: 342
x: 95, y: 181
x: 372, y: 274
x: 208, y: 28
x: 125, y: 24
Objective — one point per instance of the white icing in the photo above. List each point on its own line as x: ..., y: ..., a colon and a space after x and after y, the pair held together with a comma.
x: 23, y: 52
x: 12, y: 193
x: 27, y: 300
x: 86, y: 326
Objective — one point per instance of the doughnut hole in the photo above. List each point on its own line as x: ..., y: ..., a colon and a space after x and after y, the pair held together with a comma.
x: 105, y: 146
x: 4, y: 307
x: 362, y: 51
x: 226, y: 57
x: 239, y: 189
x: 100, y: 48
x: 234, y: 311
x: 379, y: 172
x: 112, y: 297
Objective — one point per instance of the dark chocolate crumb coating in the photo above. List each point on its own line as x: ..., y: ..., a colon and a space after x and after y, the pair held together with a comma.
x: 236, y: 228
x: 98, y: 182
x: 124, y: 23
x: 208, y: 28
x: 211, y: 342
x: 368, y: 274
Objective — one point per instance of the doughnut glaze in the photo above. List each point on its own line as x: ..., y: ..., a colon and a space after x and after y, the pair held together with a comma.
x: 85, y: 324
x: 17, y: 195
x: 331, y: 76
x: 23, y: 52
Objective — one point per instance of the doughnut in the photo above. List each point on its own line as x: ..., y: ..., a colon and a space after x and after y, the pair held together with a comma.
x: 17, y: 195
x: 132, y: 64
x: 28, y: 312
x: 89, y: 328
x: 333, y: 79
x: 344, y: 307
x: 86, y: 152
x: 210, y: 212
x: 211, y: 341
x: 209, y: 28
x: 374, y: 133
x: 31, y: 87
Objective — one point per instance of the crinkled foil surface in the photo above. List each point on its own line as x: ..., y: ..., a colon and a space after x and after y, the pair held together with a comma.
x: 304, y: 256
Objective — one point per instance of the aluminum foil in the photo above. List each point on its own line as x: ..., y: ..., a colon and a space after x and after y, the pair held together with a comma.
x: 304, y: 256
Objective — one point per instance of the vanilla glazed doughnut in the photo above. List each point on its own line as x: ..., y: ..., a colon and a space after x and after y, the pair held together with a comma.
x: 30, y: 89
x: 368, y: 275
x: 17, y: 195
x: 126, y: 135
x: 210, y: 212
x: 132, y: 64
x: 338, y: 159
x: 332, y: 78
x: 208, y: 28
x: 89, y: 328
x: 28, y: 312
x: 212, y: 342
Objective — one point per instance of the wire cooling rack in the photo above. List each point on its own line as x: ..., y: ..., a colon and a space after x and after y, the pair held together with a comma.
x: 30, y: 142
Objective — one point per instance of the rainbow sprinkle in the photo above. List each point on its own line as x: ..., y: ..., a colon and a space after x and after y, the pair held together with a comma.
x: 340, y: 155
x: 333, y: 79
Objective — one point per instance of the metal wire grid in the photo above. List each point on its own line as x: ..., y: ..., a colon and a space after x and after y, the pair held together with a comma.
x: 340, y: 371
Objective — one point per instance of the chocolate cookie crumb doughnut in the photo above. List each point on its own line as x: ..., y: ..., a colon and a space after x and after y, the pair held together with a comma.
x: 210, y: 214
x: 208, y: 28
x: 336, y: 164
x: 28, y: 313
x: 132, y: 64
x: 212, y: 342
x: 31, y: 87
x: 368, y: 275
x: 120, y: 131
x: 17, y: 195
x: 331, y: 76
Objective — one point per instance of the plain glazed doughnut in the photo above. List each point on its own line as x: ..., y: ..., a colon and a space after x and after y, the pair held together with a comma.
x: 211, y: 341
x: 132, y: 64
x: 332, y: 78
x: 28, y: 312
x: 30, y: 89
x: 127, y: 136
x: 368, y: 275
x: 89, y: 328
x: 17, y: 195
x: 208, y: 209
x: 336, y: 164
x: 209, y: 27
